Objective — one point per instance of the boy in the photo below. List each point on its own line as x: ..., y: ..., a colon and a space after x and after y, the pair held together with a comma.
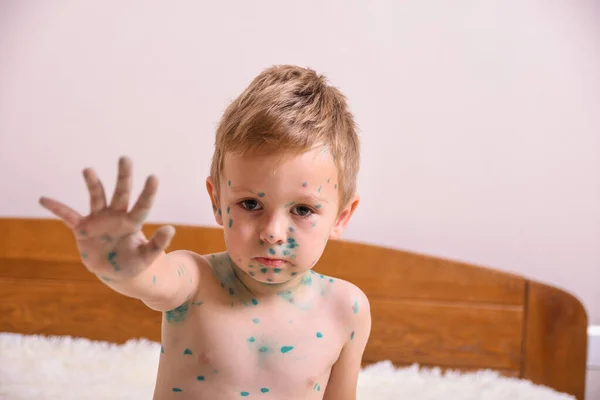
x: 254, y: 321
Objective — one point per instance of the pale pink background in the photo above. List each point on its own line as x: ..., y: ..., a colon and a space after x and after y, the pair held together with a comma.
x: 480, y: 120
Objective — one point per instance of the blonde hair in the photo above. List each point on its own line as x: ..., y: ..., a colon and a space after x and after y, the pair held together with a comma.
x: 289, y: 108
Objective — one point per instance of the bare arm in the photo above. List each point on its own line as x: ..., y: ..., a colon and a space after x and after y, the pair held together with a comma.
x: 344, y: 373
x: 114, y: 248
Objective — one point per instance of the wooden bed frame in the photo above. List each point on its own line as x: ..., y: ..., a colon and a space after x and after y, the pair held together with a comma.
x: 425, y: 310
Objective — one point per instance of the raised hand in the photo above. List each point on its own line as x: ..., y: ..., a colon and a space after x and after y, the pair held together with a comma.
x: 110, y: 239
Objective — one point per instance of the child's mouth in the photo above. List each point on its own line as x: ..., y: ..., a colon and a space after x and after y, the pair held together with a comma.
x: 270, y: 262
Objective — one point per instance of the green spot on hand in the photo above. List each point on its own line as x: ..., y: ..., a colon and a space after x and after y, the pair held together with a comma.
x: 187, y: 351
x: 261, y: 194
x: 285, y: 349
x: 319, y: 335
x: 200, y: 377
x: 355, y: 307
x: 264, y: 390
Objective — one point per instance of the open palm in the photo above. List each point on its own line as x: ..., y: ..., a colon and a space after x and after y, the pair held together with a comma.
x: 110, y: 239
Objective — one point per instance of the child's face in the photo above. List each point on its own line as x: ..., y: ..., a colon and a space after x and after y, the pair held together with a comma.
x: 278, y: 211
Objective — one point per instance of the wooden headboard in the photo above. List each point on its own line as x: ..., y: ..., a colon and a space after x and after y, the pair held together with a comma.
x: 425, y: 310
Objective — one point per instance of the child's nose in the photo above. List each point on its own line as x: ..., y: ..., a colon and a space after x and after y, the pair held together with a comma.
x: 274, y: 232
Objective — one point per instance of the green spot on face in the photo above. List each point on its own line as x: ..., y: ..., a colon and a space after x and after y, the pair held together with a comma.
x: 250, y: 266
x: 335, y: 186
x: 292, y: 229
x: 230, y: 222
x: 244, y: 394
x: 294, y: 273
x: 198, y: 303
x: 277, y: 270
x: 317, y: 206
x: 220, y: 212
x: 319, y: 335
x: 200, y: 377
x: 285, y: 349
x: 162, y: 349
x: 261, y: 194
x: 231, y: 291
x: 305, y: 184
x: 260, y: 242
x: 271, y: 251
x: 291, y: 203
x: 154, y: 279
x: 187, y: 351
x: 255, y: 320
x: 105, y: 278
x: 228, y: 208
x: 264, y: 270
x: 352, y: 336
x: 286, y: 253
x: 251, y: 273
x: 264, y: 390
x: 83, y: 255
x: 355, y: 307
x: 319, y: 189
x: 252, y: 339
x: 83, y: 233
x: 330, y: 280
x: 263, y: 349
x: 254, y: 301
x: 229, y: 182
x: 177, y: 390
x: 291, y: 243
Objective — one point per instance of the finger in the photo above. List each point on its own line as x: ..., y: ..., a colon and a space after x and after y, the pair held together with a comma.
x: 97, y: 195
x: 120, y: 198
x: 142, y: 207
x: 157, y: 243
x: 69, y: 216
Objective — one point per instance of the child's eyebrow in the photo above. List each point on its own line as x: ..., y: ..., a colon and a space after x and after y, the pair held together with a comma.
x: 303, y: 197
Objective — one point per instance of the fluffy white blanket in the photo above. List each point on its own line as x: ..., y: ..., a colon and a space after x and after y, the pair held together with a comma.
x: 39, y: 367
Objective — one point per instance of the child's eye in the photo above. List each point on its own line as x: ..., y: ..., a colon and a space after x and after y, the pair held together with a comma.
x: 250, y: 205
x: 302, y: 211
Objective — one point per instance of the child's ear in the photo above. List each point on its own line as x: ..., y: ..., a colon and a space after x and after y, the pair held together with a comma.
x: 344, y: 218
x: 214, y: 199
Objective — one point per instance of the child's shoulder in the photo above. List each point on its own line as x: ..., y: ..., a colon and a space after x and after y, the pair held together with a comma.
x: 348, y: 298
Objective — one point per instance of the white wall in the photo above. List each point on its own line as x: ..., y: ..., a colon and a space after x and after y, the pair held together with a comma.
x: 480, y: 120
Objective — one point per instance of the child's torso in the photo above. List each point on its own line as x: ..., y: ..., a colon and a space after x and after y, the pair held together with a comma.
x: 225, y: 344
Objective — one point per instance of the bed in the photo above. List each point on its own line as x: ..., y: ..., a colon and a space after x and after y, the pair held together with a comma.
x: 427, y: 311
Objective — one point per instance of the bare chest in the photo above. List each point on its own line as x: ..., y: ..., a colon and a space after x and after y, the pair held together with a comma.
x: 247, y: 347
